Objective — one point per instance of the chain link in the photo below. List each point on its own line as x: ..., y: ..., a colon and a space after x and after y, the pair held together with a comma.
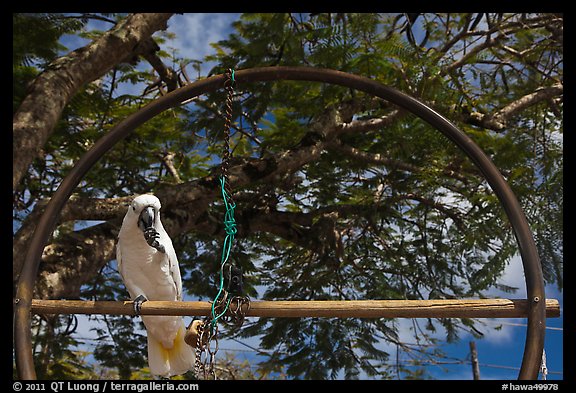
x: 543, y: 367
x: 198, y: 363
x: 205, y: 355
x: 229, y: 85
x: 207, y: 341
x: 210, y: 359
x: 239, y: 307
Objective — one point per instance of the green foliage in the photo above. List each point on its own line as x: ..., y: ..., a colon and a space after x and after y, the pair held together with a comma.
x: 36, y: 37
x: 415, y: 220
x: 35, y: 43
x: 57, y: 356
x: 126, y: 351
x: 428, y: 235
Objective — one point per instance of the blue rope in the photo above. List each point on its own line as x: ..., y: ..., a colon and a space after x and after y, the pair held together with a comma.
x: 230, y: 229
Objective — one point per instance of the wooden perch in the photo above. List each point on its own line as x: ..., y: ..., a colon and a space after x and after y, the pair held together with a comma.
x: 444, y: 308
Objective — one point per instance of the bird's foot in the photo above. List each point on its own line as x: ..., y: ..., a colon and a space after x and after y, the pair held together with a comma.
x: 152, y: 236
x: 138, y: 303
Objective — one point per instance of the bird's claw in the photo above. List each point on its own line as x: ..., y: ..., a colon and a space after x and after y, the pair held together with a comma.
x: 138, y: 303
x: 152, y: 236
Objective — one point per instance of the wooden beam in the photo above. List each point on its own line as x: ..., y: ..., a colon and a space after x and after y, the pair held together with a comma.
x: 444, y: 308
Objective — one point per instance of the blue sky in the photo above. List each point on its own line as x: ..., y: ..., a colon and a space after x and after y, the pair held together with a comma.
x: 499, y: 351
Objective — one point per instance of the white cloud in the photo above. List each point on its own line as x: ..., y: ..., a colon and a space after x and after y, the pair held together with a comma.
x: 195, y: 32
x: 514, y: 277
x: 511, y: 328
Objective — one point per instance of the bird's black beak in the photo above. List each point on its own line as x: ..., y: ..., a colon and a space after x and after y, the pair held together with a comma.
x: 146, y: 219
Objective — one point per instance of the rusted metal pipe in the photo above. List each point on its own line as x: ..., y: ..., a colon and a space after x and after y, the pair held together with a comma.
x: 527, y: 247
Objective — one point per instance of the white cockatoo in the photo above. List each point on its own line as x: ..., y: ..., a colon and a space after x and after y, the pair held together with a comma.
x: 149, y: 268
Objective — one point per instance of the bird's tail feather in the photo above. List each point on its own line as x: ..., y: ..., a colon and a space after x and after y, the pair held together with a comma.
x: 174, y: 361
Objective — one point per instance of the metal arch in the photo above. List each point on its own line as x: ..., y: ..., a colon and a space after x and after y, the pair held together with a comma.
x: 530, y: 259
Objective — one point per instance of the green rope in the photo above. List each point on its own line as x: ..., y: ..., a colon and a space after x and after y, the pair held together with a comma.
x: 230, y: 229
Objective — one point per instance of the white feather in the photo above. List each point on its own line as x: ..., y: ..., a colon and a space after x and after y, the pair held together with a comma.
x: 155, y: 275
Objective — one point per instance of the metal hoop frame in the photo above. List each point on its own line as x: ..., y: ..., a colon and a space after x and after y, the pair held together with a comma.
x: 527, y: 247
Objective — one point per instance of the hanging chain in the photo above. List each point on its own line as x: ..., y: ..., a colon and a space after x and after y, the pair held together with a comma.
x: 229, y: 85
x: 210, y: 359
x: 205, y: 355
x: 543, y: 367
x: 240, y: 305
x: 198, y: 363
x: 207, y: 340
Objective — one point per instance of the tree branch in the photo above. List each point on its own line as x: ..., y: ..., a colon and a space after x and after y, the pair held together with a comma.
x: 148, y: 49
x: 167, y: 158
x: 40, y: 110
x: 75, y: 257
x: 499, y: 119
x: 379, y: 159
x: 373, y: 124
x: 185, y: 208
x: 188, y: 201
x: 505, y: 28
x: 489, y: 42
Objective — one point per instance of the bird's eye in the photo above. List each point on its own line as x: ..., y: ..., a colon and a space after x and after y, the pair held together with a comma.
x: 134, y: 208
